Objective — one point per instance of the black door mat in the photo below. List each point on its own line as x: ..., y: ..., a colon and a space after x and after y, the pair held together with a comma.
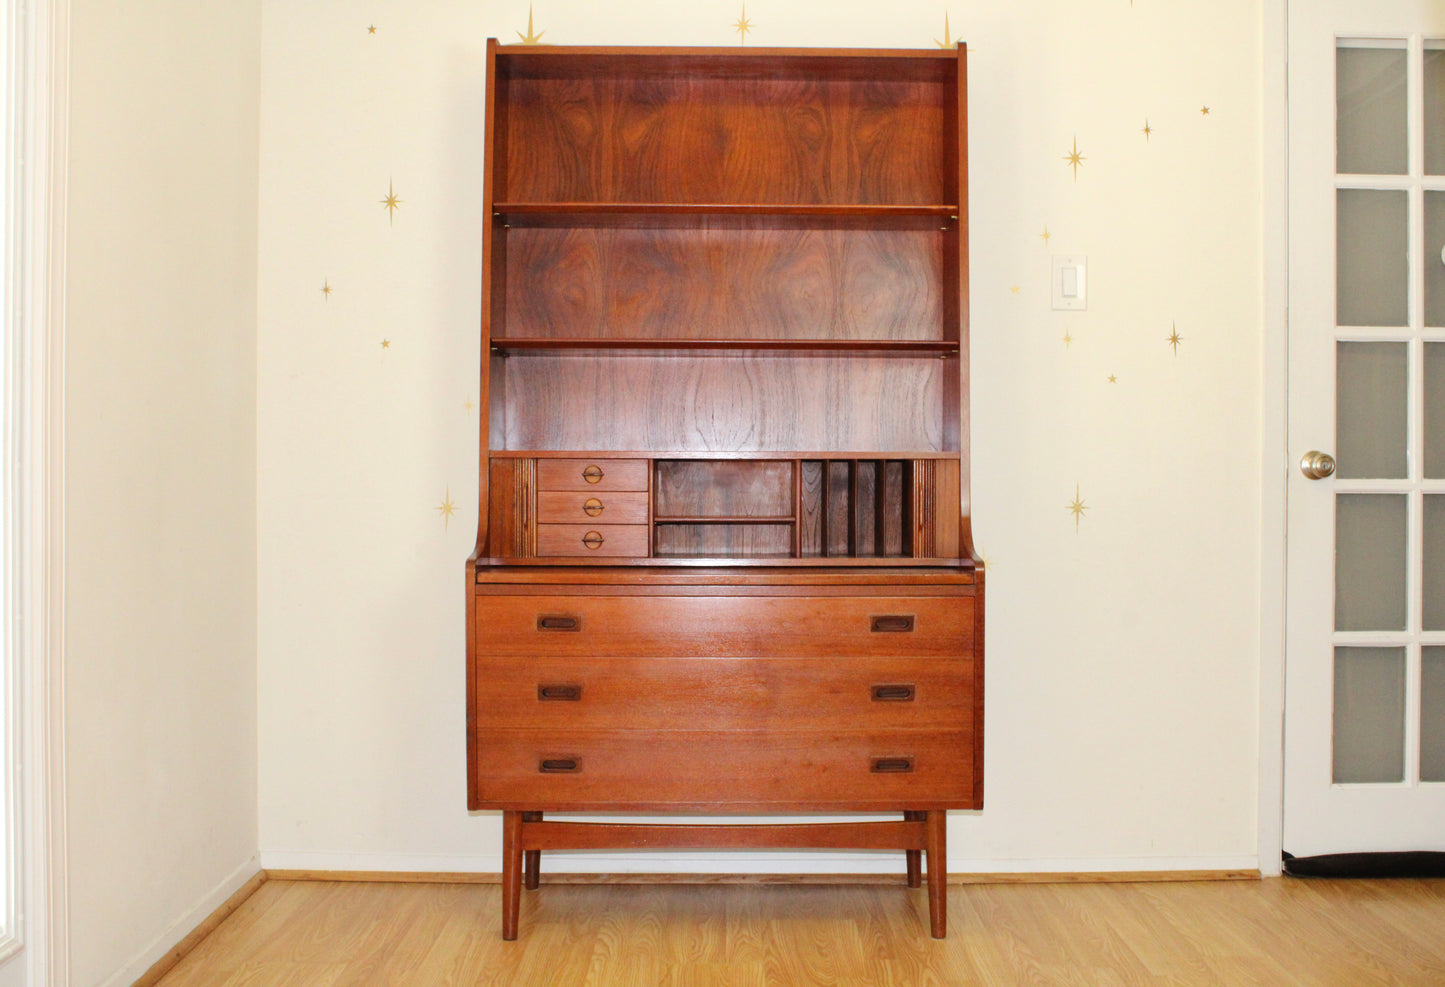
x: 1407, y: 863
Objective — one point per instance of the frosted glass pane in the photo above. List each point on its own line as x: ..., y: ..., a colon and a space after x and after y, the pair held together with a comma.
x: 1369, y: 562
x: 1370, y: 111
x: 1371, y: 259
x: 1434, y: 111
x: 1371, y: 409
x: 1433, y: 610
x: 1435, y: 410
x: 1434, y: 260
x: 1369, y: 723
x: 1432, y: 714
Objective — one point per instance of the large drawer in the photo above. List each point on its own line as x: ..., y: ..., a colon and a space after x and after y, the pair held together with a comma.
x: 724, y: 693
x: 741, y: 626
x: 622, y: 770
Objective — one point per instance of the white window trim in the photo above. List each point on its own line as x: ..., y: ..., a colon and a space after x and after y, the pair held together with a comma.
x: 43, y: 57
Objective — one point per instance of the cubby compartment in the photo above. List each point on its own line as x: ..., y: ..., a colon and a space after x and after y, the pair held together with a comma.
x: 723, y: 489
x: 723, y: 540
x: 856, y: 508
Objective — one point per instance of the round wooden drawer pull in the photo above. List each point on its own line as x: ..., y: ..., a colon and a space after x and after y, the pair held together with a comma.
x: 593, y: 539
x: 593, y: 474
x: 592, y: 506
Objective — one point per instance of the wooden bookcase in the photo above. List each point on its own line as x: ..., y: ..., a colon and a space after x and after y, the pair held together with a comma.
x: 723, y: 561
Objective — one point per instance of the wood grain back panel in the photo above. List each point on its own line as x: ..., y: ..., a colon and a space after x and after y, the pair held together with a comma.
x: 695, y: 138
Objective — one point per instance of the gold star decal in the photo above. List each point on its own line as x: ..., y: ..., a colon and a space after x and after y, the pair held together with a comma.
x: 1068, y: 340
x: 1074, y: 158
x: 1147, y: 129
x: 470, y: 405
x: 1077, y: 508
x: 742, y: 25
x: 983, y: 561
x: 448, y: 508
x: 1174, y: 338
x: 326, y: 288
x: 1113, y: 379
x: 391, y: 201
x: 371, y: 29
x: 947, y: 41
x: 531, y: 37
x: 1045, y: 235
x: 1204, y: 111
x: 386, y: 344
x: 1015, y: 289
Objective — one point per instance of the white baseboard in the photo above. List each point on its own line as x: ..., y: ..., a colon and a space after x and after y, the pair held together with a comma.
x: 781, y: 862
x: 183, y: 926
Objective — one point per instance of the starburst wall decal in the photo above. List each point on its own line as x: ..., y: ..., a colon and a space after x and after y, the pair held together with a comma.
x: 1075, y: 159
x: 532, y: 37
x: 742, y: 25
x: 391, y: 201
x: 948, y: 40
x: 1077, y: 508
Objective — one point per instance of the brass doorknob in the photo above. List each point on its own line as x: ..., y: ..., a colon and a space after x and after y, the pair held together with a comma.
x: 1317, y: 465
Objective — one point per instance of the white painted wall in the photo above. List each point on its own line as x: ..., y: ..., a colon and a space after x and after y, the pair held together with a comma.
x: 1124, y: 654
x: 161, y: 560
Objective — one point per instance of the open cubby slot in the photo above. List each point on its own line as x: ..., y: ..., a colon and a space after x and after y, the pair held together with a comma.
x: 730, y: 540
x: 707, y: 489
x: 855, y: 508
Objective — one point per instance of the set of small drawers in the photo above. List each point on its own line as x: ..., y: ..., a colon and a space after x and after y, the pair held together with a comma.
x: 724, y: 702
x: 592, y: 507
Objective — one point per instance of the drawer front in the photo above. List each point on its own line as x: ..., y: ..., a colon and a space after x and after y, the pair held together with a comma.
x: 725, y: 626
x: 602, y: 540
x: 592, y: 474
x: 724, y: 693
x: 591, y: 507
x: 578, y: 769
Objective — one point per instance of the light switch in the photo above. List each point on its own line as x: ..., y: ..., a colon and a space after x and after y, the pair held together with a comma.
x: 1070, y: 282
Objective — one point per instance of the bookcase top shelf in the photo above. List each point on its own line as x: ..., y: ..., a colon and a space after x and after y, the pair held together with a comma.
x: 879, y: 347
x: 729, y: 215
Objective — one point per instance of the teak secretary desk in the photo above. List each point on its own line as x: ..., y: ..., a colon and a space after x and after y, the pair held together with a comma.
x: 723, y: 562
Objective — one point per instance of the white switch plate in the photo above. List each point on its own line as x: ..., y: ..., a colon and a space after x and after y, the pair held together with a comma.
x: 1070, y: 282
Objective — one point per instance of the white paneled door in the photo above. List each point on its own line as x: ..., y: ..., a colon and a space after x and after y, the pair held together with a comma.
x: 1365, y: 667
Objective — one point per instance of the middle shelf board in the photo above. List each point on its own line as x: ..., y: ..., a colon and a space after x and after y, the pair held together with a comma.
x: 720, y: 215
x: 659, y: 347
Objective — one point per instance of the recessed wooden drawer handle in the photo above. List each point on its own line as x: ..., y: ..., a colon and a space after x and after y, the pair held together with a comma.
x: 559, y: 693
x: 592, y: 506
x: 559, y: 622
x: 891, y: 623
x: 893, y: 693
x: 593, y: 474
x: 892, y: 765
x: 593, y: 539
x: 559, y: 765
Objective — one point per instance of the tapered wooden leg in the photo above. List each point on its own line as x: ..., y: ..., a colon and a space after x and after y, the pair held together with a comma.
x: 937, y: 821
x: 914, y: 857
x: 512, y: 871
x: 531, y: 859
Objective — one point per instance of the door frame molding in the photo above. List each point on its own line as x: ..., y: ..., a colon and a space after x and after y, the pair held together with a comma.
x: 1274, y: 410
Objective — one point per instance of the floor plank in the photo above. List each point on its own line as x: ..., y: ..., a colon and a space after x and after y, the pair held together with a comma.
x: 1279, y: 932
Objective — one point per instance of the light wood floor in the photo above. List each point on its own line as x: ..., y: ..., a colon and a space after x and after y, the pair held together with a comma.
x: 1273, y: 932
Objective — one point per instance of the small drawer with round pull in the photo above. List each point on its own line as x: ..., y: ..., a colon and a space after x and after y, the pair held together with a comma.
x: 593, y: 475
x: 591, y: 507
x: 601, y: 540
